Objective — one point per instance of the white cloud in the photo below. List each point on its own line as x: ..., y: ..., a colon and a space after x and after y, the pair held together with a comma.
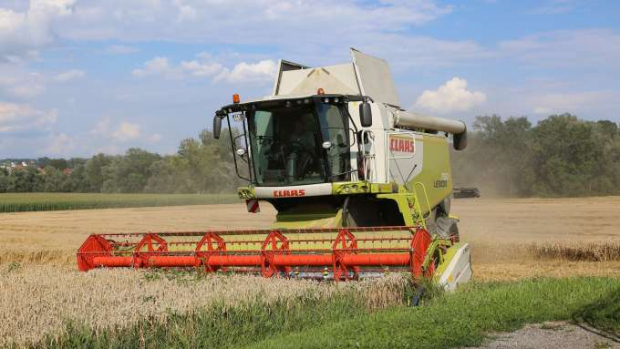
x: 249, y: 72
x: 543, y: 110
x: 127, y: 132
x: 123, y: 132
x: 596, y: 48
x: 21, y: 117
x: 69, y: 75
x: 61, y: 144
x: 158, y: 66
x: 16, y: 82
x: 120, y: 50
x: 22, y: 89
x: 102, y: 127
x: 31, y: 29
x: 25, y: 91
x: 154, y: 138
x: 186, y: 13
x: 572, y: 102
x: 205, y: 67
x: 554, y: 7
x: 262, y: 21
x: 453, y: 96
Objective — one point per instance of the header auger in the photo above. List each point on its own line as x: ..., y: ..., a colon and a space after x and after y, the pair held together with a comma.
x: 361, y: 186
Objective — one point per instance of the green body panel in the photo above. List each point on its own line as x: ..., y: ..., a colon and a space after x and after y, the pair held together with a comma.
x: 434, y: 183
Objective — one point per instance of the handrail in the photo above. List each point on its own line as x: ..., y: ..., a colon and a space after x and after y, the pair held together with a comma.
x: 428, y: 203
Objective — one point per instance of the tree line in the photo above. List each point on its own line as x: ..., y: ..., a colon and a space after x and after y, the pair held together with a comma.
x: 559, y: 156
x: 202, y: 165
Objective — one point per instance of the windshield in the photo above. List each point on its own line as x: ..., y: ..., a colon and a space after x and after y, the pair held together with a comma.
x: 286, y: 141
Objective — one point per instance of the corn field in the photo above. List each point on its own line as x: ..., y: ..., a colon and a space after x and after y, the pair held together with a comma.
x: 28, y: 202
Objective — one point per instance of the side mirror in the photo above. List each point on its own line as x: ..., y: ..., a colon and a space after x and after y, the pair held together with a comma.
x: 365, y: 114
x: 217, y: 126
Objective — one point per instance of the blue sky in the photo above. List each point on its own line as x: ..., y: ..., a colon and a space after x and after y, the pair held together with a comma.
x: 79, y: 77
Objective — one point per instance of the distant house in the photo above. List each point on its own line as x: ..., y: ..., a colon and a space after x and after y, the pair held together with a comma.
x: 67, y: 171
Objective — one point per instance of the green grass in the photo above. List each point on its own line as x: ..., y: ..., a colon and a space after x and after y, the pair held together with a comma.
x: 221, y: 327
x: 24, y: 202
x: 463, y: 319
x: 460, y: 319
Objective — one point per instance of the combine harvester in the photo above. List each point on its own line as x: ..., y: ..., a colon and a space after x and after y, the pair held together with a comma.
x: 361, y: 186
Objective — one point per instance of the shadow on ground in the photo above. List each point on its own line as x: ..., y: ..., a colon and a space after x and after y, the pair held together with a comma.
x: 602, y: 316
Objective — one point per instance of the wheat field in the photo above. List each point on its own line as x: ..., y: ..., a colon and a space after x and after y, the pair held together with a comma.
x: 35, y: 302
x: 40, y: 289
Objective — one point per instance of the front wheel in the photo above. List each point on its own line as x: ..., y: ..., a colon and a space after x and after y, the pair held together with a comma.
x: 454, y: 233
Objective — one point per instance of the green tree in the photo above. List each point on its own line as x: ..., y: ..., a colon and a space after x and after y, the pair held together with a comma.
x: 77, y: 181
x: 59, y: 164
x: 560, y: 156
x: 94, y: 171
x: 53, y: 179
x: 4, y: 180
x: 167, y: 177
x: 129, y: 173
x: 26, y: 180
x: 565, y: 156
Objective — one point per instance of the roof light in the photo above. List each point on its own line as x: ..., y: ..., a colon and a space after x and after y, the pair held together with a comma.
x: 236, y: 98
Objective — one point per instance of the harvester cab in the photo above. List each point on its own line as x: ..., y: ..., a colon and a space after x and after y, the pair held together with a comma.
x: 360, y: 185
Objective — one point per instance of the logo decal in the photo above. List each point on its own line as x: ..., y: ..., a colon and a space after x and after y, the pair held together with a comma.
x: 443, y: 182
x: 289, y: 193
x: 402, y: 144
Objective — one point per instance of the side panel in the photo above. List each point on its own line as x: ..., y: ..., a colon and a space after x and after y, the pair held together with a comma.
x: 420, y: 162
x: 436, y: 175
x: 405, y: 152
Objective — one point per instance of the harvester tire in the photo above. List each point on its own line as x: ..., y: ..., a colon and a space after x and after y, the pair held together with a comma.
x: 454, y: 233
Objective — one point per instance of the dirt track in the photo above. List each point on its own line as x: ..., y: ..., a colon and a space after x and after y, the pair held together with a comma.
x: 499, y: 231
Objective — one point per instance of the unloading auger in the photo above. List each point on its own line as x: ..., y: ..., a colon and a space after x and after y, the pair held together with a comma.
x: 361, y: 186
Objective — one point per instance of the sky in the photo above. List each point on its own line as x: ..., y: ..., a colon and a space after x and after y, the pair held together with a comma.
x: 79, y: 77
